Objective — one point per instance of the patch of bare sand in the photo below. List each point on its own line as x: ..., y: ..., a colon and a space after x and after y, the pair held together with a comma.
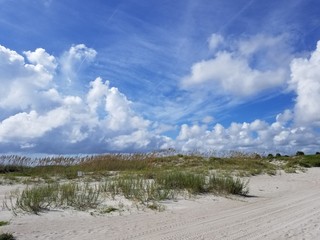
x: 286, y: 206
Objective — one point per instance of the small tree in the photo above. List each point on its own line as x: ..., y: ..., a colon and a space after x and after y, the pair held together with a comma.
x: 257, y: 156
x: 278, y: 155
x: 270, y: 155
x: 299, y: 153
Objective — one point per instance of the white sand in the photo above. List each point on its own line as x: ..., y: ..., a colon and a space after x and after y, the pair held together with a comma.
x: 285, y: 206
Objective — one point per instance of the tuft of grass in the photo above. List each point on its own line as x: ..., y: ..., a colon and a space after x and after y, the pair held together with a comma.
x: 290, y: 170
x: 137, y: 188
x: 3, y: 223
x: 228, y: 185
x: 109, y: 210
x: 177, y: 180
x: 38, y: 198
x: 156, y: 207
x: 79, y: 196
x: 7, y: 236
x: 41, y: 198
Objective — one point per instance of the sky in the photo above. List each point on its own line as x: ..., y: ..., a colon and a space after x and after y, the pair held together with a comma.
x: 90, y: 77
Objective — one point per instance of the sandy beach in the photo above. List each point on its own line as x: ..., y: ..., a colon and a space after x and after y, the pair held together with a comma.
x: 285, y: 206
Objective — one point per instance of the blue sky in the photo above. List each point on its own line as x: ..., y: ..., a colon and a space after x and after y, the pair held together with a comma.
x: 137, y: 75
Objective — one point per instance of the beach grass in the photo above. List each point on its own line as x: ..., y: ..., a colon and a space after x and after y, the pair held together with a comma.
x: 149, y: 192
x: 3, y: 223
x: 86, y: 182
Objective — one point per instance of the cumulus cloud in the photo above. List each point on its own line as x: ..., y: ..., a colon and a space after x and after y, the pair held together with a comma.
x: 140, y: 139
x: 24, y: 82
x: 257, y: 136
x: 244, y: 68
x: 194, y: 131
x: 117, y: 112
x: 98, y: 121
x: 305, y: 81
x: 23, y: 126
x: 42, y: 58
x: 73, y: 60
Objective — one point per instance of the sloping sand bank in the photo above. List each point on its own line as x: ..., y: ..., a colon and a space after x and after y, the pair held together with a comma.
x: 286, y: 206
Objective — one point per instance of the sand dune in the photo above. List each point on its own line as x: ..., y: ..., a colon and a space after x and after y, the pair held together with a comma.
x: 286, y: 206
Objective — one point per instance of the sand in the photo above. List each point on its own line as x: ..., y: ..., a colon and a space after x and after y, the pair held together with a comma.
x: 285, y: 206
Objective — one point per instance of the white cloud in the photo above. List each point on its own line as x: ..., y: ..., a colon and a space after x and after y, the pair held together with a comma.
x: 9, y: 57
x: 73, y: 60
x: 31, y: 125
x: 117, y: 110
x: 233, y: 75
x: 245, y: 68
x: 285, y: 117
x: 41, y: 57
x: 257, y: 136
x: 81, y: 52
x: 120, y: 115
x: 137, y: 140
x: 24, y: 85
x: 305, y: 80
x: 95, y: 96
x: 194, y: 131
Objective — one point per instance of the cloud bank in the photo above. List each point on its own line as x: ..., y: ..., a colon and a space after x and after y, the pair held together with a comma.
x: 257, y: 136
x: 38, y: 116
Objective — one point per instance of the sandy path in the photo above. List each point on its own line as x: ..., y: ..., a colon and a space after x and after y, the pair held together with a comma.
x: 285, y: 206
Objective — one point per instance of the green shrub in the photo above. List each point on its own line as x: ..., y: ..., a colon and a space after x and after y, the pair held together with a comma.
x: 299, y: 153
x: 227, y: 185
x: 310, y: 161
x: 10, y: 168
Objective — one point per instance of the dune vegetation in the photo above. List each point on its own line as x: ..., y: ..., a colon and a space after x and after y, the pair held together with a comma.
x: 85, y: 183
